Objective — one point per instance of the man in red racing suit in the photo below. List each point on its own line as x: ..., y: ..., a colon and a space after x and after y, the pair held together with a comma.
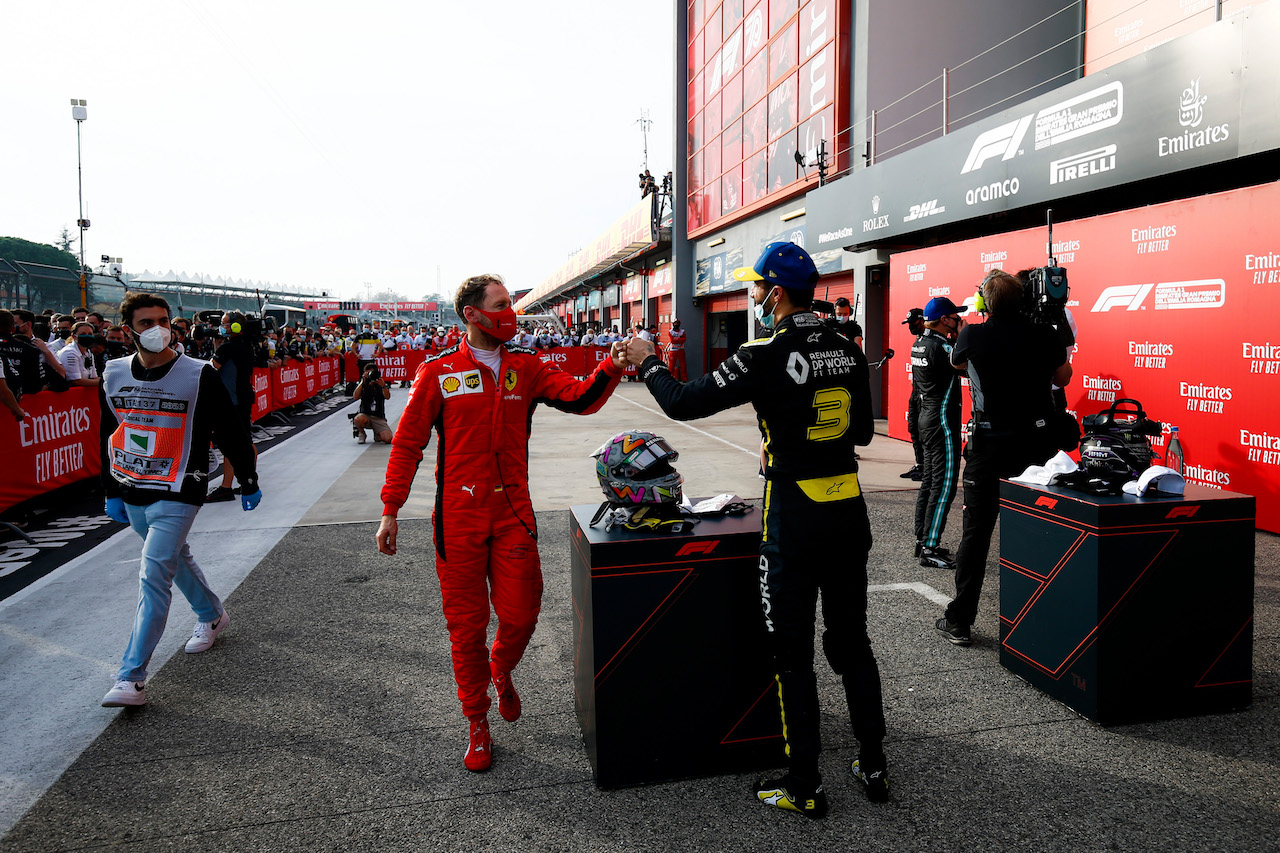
x: 479, y: 396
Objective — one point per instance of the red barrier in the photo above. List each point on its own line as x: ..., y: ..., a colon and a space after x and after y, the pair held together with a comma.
x: 261, y: 393
x: 1173, y: 304
x: 56, y: 446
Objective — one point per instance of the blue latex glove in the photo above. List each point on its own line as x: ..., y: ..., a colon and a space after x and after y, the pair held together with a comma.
x: 250, y: 502
x: 115, y: 510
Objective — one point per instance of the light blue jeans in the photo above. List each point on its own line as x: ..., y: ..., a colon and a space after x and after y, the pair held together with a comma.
x: 166, y: 560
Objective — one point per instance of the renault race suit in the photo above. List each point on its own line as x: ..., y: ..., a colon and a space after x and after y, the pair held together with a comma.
x: 810, y: 389
x: 485, y: 533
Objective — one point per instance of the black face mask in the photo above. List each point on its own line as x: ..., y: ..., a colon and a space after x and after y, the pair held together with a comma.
x: 64, y: 333
x: 115, y: 349
x: 84, y: 340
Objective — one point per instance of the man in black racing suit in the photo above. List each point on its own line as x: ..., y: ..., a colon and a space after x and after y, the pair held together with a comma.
x: 810, y: 389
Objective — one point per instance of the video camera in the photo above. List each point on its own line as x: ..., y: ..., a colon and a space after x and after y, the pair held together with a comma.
x: 1045, y: 293
x: 252, y: 327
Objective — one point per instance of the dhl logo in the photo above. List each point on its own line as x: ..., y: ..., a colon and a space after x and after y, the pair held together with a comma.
x: 704, y: 547
x: 1182, y: 511
x: 1046, y: 501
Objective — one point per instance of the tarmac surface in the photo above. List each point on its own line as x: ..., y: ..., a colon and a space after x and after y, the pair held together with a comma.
x: 326, y: 718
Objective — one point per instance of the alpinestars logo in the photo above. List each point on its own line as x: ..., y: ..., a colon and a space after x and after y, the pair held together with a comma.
x: 920, y: 211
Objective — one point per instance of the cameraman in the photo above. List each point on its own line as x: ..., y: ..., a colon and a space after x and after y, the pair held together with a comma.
x: 373, y: 393
x: 1011, y: 364
x: 234, y: 362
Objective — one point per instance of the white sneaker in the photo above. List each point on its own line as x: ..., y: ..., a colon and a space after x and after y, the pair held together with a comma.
x: 203, y: 635
x: 125, y: 693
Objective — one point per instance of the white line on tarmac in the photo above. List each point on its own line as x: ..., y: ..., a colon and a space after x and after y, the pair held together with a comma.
x: 922, y: 588
x: 755, y: 453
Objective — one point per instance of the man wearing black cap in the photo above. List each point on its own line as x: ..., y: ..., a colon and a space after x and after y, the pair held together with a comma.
x: 809, y: 386
x: 915, y: 325
x: 938, y: 385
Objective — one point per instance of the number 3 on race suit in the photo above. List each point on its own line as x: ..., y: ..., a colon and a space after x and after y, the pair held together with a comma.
x: 832, y: 405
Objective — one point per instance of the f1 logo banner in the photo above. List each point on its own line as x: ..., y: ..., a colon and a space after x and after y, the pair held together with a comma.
x: 1167, y: 302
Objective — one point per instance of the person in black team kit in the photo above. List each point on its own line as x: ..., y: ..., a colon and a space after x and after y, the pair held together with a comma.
x: 915, y: 325
x: 937, y: 384
x: 1012, y: 364
x: 234, y: 363
x: 810, y: 389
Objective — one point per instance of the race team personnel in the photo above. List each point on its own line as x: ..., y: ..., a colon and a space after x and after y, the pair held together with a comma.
x: 479, y: 397
x: 76, y: 358
x: 915, y: 325
x: 675, y: 352
x: 1012, y: 365
x: 845, y: 323
x: 159, y: 412
x: 810, y: 389
x: 234, y: 362
x: 937, y: 384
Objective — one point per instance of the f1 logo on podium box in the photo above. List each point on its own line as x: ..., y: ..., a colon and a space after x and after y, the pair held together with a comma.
x: 671, y: 675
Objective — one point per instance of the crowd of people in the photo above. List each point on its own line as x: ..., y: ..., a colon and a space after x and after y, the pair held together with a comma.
x: 486, y: 555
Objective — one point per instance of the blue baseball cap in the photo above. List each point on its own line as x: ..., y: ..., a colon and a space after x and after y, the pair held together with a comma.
x: 784, y: 264
x: 940, y: 306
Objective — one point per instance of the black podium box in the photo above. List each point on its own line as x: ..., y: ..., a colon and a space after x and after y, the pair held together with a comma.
x: 1129, y: 609
x: 671, y: 675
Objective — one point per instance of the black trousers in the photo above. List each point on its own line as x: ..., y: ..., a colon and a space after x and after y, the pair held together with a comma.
x: 809, y: 548
x: 913, y: 427
x: 940, y: 437
x: 990, y: 455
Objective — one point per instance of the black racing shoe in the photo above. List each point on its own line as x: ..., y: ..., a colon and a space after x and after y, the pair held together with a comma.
x: 914, y: 474
x: 919, y: 545
x: 789, y: 794
x: 958, y: 634
x: 874, y: 777
x: 936, y: 558
x: 222, y: 493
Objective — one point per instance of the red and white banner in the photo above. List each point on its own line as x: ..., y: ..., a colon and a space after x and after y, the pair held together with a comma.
x: 1173, y: 305
x: 261, y: 393
x: 57, y: 445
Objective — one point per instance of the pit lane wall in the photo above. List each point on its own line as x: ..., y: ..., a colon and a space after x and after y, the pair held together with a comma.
x: 1173, y: 305
x: 58, y: 444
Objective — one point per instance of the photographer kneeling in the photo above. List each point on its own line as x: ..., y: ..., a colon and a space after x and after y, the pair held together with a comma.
x: 373, y: 393
x: 1012, y: 364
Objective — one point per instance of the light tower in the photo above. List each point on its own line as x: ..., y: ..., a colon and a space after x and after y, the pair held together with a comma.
x: 79, y: 113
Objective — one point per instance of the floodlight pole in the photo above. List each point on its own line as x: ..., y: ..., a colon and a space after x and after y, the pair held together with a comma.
x: 79, y: 113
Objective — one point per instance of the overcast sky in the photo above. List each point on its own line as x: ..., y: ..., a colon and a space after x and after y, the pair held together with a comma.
x: 325, y: 145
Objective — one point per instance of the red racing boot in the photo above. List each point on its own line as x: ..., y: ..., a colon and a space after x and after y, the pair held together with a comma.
x: 508, y: 698
x: 479, y: 757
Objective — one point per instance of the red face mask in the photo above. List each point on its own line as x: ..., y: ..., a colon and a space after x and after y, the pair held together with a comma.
x: 504, y: 323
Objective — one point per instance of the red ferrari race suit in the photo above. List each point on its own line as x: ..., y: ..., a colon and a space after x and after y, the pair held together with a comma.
x: 485, y: 532
x: 675, y: 354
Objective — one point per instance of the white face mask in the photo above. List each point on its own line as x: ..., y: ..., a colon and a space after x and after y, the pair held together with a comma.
x: 154, y: 339
x: 766, y: 320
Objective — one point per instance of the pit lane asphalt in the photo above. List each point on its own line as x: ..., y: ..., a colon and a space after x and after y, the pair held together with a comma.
x: 325, y: 718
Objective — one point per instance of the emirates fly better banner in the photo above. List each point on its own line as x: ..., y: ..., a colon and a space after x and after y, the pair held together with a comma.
x: 1174, y: 305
